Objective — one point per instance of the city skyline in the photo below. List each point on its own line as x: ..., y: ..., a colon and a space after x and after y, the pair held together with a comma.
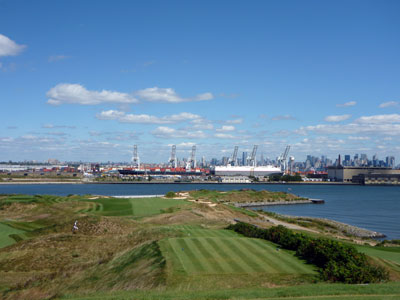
x: 88, y: 86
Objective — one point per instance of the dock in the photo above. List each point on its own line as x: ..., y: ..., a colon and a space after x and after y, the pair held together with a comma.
x: 256, y: 204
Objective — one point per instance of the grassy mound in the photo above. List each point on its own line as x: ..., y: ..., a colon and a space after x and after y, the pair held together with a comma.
x: 244, y: 196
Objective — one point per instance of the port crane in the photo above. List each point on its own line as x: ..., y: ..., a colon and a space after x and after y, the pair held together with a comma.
x: 191, y: 162
x: 135, y: 158
x: 252, y: 158
x: 172, y: 160
x: 282, y: 159
x: 233, y: 159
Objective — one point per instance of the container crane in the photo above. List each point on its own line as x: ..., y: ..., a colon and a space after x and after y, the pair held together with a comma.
x: 172, y: 160
x: 135, y: 158
x: 252, y: 158
x: 191, y: 162
x: 282, y: 159
x: 233, y: 160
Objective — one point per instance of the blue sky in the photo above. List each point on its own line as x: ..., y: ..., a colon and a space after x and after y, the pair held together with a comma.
x: 86, y: 80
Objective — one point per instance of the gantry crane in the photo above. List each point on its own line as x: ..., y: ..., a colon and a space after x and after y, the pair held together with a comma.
x: 282, y: 159
x: 252, y: 158
x: 191, y: 162
x: 135, y: 158
x: 233, y: 159
x: 172, y: 160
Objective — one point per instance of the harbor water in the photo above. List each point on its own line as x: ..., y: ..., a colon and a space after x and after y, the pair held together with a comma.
x: 376, y: 208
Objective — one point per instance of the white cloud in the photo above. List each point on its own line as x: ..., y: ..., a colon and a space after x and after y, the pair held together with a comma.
x: 183, y: 145
x: 235, y: 121
x: 350, y: 103
x: 169, y: 95
x: 202, y: 124
x: 337, y: 118
x: 224, y: 136
x: 168, y: 132
x: 283, y: 117
x: 50, y: 126
x: 8, y: 47
x: 146, y: 119
x: 389, y: 104
x: 226, y: 128
x: 379, y: 119
x: 77, y: 94
x: 359, y: 138
x: 353, y: 128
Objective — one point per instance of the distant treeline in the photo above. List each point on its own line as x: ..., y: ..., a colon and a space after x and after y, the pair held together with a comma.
x: 337, y: 262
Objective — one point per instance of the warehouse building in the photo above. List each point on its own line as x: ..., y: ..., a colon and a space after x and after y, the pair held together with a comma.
x: 352, y: 174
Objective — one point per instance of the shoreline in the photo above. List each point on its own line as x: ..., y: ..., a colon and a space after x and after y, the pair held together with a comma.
x: 176, y: 183
x: 271, y: 203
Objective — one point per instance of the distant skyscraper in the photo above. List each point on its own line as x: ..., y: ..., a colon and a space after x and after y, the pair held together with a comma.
x: 346, y: 160
x: 390, y: 161
x: 244, y: 158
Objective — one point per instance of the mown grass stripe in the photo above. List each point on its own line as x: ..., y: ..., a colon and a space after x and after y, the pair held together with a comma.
x: 240, y: 251
x: 211, y: 259
x: 290, y: 263
x: 176, y: 258
x: 222, y: 259
x: 225, y: 254
x: 287, y: 265
x: 238, y: 259
x: 266, y: 258
x: 197, y: 265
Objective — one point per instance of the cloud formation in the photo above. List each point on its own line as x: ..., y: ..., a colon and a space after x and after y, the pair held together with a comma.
x: 350, y: 103
x: 77, y: 94
x: 379, y: 119
x: 168, y: 132
x: 146, y: 119
x: 8, y: 47
x: 169, y: 95
x: 226, y: 128
x: 389, y: 104
x: 337, y: 118
x: 224, y: 136
x: 283, y: 117
x: 234, y: 121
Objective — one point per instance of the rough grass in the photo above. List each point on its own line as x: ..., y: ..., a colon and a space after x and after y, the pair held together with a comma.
x: 127, y: 246
x: 242, y: 196
x: 303, y: 292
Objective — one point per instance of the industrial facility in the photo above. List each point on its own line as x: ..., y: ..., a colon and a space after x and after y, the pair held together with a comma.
x: 231, y: 168
x: 251, y: 168
x: 363, y: 175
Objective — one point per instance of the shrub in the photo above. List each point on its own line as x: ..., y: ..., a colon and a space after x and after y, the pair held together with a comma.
x: 336, y: 261
x: 170, y: 194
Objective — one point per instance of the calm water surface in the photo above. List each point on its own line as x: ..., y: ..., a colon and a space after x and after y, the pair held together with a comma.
x: 372, y: 207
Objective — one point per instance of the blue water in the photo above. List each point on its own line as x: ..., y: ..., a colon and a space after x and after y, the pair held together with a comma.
x: 375, y: 208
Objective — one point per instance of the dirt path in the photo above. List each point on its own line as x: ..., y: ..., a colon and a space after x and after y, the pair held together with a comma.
x: 273, y: 221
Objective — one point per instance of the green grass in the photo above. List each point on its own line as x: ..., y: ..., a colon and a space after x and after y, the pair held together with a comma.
x: 226, y: 255
x: 303, y: 292
x: 5, y: 232
x: 137, y: 207
x: 215, y: 251
x: 390, y: 256
x: 248, y: 212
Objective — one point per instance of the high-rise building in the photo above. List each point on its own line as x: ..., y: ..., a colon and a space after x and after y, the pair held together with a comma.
x: 244, y: 158
x: 390, y: 162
